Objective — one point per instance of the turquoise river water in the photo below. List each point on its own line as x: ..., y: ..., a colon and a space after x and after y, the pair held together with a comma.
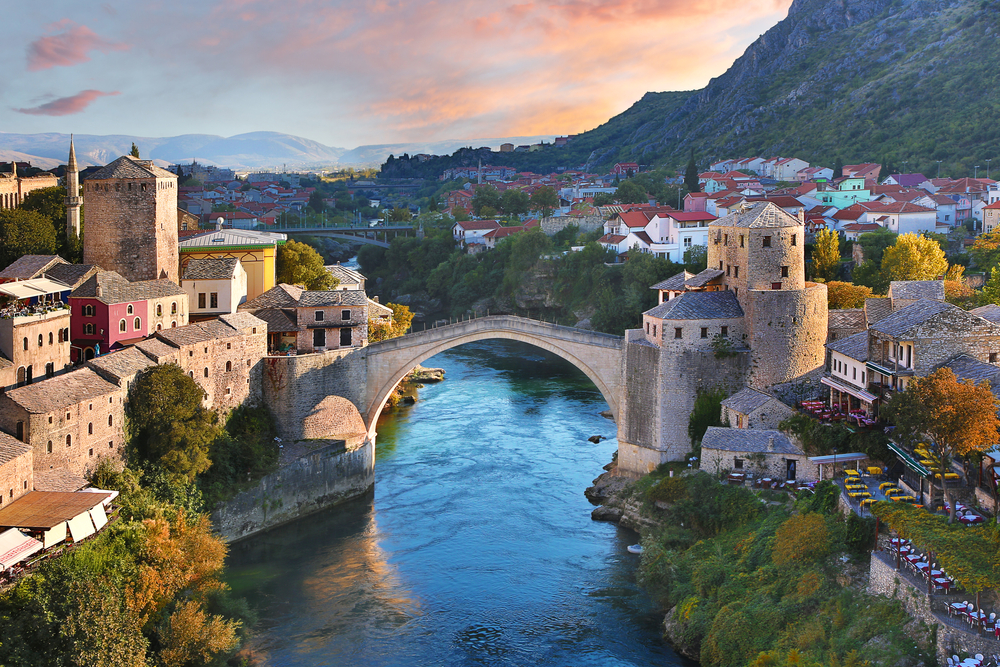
x: 477, y: 546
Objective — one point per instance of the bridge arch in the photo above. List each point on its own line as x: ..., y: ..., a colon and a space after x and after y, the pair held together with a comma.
x: 597, y: 355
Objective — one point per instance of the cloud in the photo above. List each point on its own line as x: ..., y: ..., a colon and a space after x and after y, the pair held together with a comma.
x: 65, y: 106
x: 69, y: 47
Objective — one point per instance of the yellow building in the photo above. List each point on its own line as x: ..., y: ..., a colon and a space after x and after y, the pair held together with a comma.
x: 257, y: 252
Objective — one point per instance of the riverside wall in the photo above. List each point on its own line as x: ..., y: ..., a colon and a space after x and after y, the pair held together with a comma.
x: 328, y: 475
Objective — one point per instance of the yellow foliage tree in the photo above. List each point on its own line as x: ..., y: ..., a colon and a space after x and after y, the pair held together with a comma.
x: 846, y: 295
x: 193, y: 636
x: 914, y: 257
x: 802, y: 538
x: 384, y: 329
x: 826, y: 254
x: 957, y: 417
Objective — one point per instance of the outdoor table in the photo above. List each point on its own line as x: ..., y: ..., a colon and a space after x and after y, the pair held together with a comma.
x: 956, y: 608
x: 885, y: 485
x: 852, y: 473
x: 976, y: 617
x: 874, y: 470
x: 968, y: 520
x: 867, y: 502
x: 947, y: 475
x: 944, y: 583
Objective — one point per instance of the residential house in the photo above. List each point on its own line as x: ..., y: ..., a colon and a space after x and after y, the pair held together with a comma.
x: 473, y: 231
x: 991, y: 216
x: 214, y: 286
x: 349, y: 278
x: 764, y: 453
x: 867, y: 171
x: 319, y: 320
x: 901, y: 218
x: 750, y: 408
x: 257, y: 252
x: 906, y: 180
x: 625, y: 169
x: 786, y: 169
x: 814, y: 174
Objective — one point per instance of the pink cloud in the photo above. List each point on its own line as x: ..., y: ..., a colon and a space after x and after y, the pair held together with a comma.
x: 65, y: 106
x: 69, y: 47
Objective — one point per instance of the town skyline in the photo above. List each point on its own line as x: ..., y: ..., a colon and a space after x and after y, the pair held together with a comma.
x: 351, y: 76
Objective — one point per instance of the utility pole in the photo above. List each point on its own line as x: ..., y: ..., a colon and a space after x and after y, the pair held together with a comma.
x: 976, y: 167
x: 939, y: 168
x: 988, y: 167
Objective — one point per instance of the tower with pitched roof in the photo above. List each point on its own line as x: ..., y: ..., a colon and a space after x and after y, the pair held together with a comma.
x: 132, y: 220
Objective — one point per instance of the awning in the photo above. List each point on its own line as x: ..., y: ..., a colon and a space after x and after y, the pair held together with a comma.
x: 98, y: 516
x: 839, y: 458
x: 908, y: 460
x: 81, y: 526
x: 107, y: 501
x: 26, y: 289
x: 55, y: 535
x: 15, y: 546
x: 878, y: 368
x: 847, y: 389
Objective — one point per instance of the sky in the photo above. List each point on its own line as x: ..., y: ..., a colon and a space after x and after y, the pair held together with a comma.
x: 356, y: 73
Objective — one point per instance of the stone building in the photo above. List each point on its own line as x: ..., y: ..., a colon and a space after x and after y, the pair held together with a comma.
x: 33, y: 345
x: 16, y: 469
x: 70, y: 422
x: 319, y: 320
x: 214, y: 286
x: 257, y: 252
x: 749, y: 408
x: 14, y: 188
x: 762, y: 453
x: 132, y: 220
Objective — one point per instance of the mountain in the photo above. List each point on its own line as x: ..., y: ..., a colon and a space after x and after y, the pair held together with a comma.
x: 254, y: 150
x: 860, y: 80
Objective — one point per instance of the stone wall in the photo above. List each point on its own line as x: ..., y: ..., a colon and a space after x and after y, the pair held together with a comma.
x: 773, y: 465
x: 638, y: 432
x: 16, y: 471
x: 329, y: 475
x: 788, y: 331
x: 19, y: 338
x: 294, y: 386
x: 13, y: 189
x: 586, y: 223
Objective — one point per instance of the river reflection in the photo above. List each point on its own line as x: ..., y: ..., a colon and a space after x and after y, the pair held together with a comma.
x: 476, y: 547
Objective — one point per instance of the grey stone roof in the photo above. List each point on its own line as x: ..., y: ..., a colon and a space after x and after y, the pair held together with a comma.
x: 281, y: 295
x: 156, y: 349
x: 746, y: 400
x: 847, y: 318
x: 72, y: 274
x: 345, y: 275
x: 748, y: 440
x: 699, y: 306
x: 11, y: 448
x: 675, y: 283
x: 231, y: 237
x: 703, y: 278
x: 315, y: 299
x: 62, y: 391
x: 990, y: 312
x: 917, y: 289
x: 375, y: 309
x: 210, y: 268
x: 58, y: 479
x: 277, y: 320
x: 30, y: 266
x: 129, y: 167
x: 904, y: 320
x: 758, y: 214
x: 197, y: 332
x: 117, y: 289
x: 122, y: 364
x: 969, y: 368
x: 855, y: 346
x: 244, y: 320
x: 877, y: 309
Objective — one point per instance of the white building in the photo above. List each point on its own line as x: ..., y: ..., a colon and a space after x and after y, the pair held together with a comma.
x: 214, y: 286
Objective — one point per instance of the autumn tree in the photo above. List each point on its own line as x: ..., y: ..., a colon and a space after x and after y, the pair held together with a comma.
x: 383, y: 329
x: 947, y: 417
x: 801, y: 538
x: 914, y: 257
x: 826, y: 254
x: 300, y: 264
x: 985, y: 250
x: 544, y: 200
x: 171, y: 427
x: 846, y: 295
x: 24, y: 232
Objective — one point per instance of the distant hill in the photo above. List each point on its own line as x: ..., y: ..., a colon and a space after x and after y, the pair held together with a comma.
x: 254, y: 150
x: 903, y: 80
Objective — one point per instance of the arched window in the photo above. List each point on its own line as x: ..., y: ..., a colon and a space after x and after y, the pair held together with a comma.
x: 25, y: 342
x: 173, y: 308
x: 229, y: 366
x: 60, y: 335
x: 137, y: 324
x: 41, y: 340
x: 158, y: 326
x: 50, y: 338
x: 88, y: 311
x: 173, y: 324
x: 128, y: 309
x: 121, y: 326
x: 191, y: 373
x: 206, y: 371
x: 90, y: 428
x: 159, y: 309
x: 88, y: 329
x: 48, y: 447
x: 69, y: 440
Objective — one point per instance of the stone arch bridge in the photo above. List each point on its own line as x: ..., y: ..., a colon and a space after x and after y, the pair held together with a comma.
x: 294, y: 386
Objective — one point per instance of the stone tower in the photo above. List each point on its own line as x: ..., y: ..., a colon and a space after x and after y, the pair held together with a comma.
x: 132, y: 220
x: 73, y: 198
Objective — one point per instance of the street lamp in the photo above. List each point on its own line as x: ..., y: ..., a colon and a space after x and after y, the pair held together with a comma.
x: 905, y: 162
x: 976, y: 167
x: 833, y: 475
x: 939, y: 168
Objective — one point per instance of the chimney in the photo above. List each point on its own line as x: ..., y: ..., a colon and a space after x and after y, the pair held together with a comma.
x: 99, y: 292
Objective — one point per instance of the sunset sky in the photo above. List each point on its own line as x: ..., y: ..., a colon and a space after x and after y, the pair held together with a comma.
x: 348, y: 74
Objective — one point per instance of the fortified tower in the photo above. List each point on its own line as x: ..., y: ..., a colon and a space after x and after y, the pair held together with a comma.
x: 73, y: 198
x: 760, y: 251
x: 132, y: 220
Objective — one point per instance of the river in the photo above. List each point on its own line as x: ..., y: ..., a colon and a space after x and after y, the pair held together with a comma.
x: 476, y: 547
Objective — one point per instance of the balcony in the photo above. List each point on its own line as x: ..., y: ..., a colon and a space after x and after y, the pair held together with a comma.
x: 23, y: 314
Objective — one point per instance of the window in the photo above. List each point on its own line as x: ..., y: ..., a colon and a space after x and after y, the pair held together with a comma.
x: 25, y: 342
x: 677, y: 332
x: 173, y: 308
x: 248, y: 363
x: 736, y: 272
x: 69, y: 416
x: 229, y: 391
x: 206, y: 371
x: 90, y: 428
x: 993, y: 357
x: 345, y: 337
x: 229, y: 366
x: 90, y: 452
x: 767, y: 242
x: 122, y: 326
x: 41, y: 340
x: 50, y: 369
x: 725, y: 331
x: 61, y: 335
x: 725, y: 239
x: 128, y: 309
x: 794, y: 239
x: 647, y: 327
x: 50, y: 419
x: 20, y: 431
x: 173, y: 324
x: 687, y: 241
x: 201, y: 299
x: 854, y: 372
x: 213, y: 300
x: 320, y: 315
x: 88, y: 329
x: 137, y: 324
x: 775, y: 285
x: 190, y: 353
x: 159, y: 309
x: 738, y: 464
x: 110, y: 420
x: 50, y: 338
x: 704, y: 332
x: 728, y: 271
x: 345, y: 314
x: 720, y: 266
x: 69, y: 440
x: 229, y: 346
x: 48, y: 447
x: 158, y: 326
x: 88, y: 311
x: 784, y: 272
x: 111, y: 444
x: 741, y: 240
x: 190, y: 373
x: 862, y: 377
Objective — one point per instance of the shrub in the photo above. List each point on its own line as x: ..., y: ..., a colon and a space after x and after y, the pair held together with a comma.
x: 802, y: 538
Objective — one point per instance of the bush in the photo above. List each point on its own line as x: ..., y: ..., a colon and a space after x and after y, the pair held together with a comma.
x: 803, y: 538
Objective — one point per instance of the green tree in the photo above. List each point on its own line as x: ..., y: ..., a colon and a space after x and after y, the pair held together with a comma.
x: 696, y: 258
x: 874, y: 244
x: 867, y: 274
x: 985, y: 251
x: 24, y: 232
x: 300, y: 264
x: 603, y: 199
x: 51, y: 202
x: 316, y: 201
x: 991, y: 290
x: 399, y: 214
x: 544, y: 200
x: 514, y: 202
x: 135, y: 150
x: 630, y: 192
x: 486, y: 196
x: 707, y: 412
x: 838, y: 168
x: 826, y: 254
x: 914, y: 257
x: 691, y: 175
x: 170, y: 426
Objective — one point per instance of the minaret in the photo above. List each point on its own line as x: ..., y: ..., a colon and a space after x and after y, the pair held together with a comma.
x: 73, y: 198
